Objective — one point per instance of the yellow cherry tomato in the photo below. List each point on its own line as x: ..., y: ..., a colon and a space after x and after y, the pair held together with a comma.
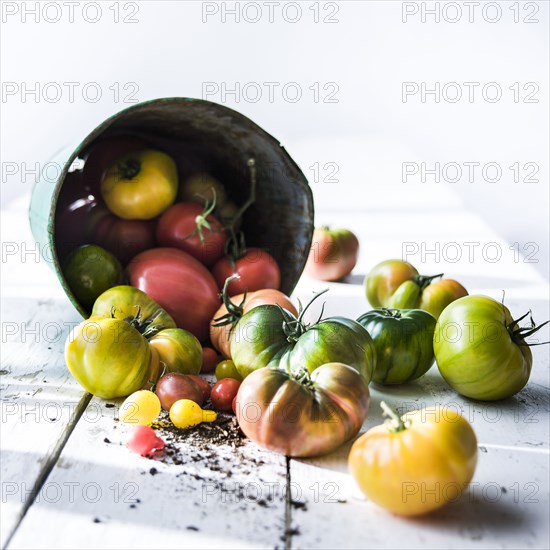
x: 140, y: 185
x: 417, y: 463
x: 185, y: 413
x: 141, y: 407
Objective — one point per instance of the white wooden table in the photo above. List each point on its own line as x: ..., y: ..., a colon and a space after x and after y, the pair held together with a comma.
x: 67, y: 482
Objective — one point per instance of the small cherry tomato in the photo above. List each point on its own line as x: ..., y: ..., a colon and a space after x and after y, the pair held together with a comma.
x: 223, y: 393
x: 209, y: 360
x: 227, y: 369
x: 186, y: 414
x: 174, y: 386
x: 141, y: 407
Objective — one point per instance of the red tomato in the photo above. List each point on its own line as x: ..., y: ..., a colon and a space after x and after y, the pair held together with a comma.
x: 223, y: 393
x: 333, y: 254
x: 123, y: 238
x: 178, y: 283
x: 184, y: 219
x: 257, y: 270
x: 209, y: 360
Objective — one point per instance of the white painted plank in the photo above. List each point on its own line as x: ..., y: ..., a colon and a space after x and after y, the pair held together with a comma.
x: 40, y: 401
x: 505, y: 506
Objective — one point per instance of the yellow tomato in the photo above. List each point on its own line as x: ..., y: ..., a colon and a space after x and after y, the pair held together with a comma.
x: 185, y: 413
x: 417, y: 463
x: 140, y: 185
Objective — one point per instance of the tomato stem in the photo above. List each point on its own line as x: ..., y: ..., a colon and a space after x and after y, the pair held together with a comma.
x: 303, y: 377
x: 128, y: 169
x: 392, y: 312
x: 235, y: 245
x: 424, y: 280
x: 395, y: 422
x: 234, y: 311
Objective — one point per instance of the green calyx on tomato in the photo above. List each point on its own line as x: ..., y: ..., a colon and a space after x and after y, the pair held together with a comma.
x: 133, y: 306
x: 404, y: 343
x: 234, y: 311
x: 397, y: 284
x: 480, y: 349
x: 268, y: 335
x: 301, y: 414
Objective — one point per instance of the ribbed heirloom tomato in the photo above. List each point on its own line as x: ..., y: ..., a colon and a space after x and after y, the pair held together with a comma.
x: 301, y: 414
x: 403, y: 339
x: 397, y: 284
x: 130, y: 304
x: 234, y: 308
x: 270, y: 336
x: 480, y: 349
x: 417, y: 463
x: 110, y: 358
x: 333, y: 254
x: 140, y: 185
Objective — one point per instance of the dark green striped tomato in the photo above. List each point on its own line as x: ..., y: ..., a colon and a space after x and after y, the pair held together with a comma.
x: 480, y: 350
x: 90, y: 270
x: 403, y: 339
x: 298, y: 414
x: 270, y: 336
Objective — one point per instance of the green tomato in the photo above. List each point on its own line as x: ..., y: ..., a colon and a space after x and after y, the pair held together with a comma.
x: 90, y: 270
x: 403, y: 341
x: 385, y: 278
x: 179, y: 350
x: 480, y: 350
x: 130, y: 304
x: 227, y: 369
x: 269, y: 336
x: 109, y: 358
x: 396, y: 284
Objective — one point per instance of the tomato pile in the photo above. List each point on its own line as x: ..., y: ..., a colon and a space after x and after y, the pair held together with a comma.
x: 178, y: 241
x: 197, y: 301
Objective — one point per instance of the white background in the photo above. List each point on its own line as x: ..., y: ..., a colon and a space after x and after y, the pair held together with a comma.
x: 175, y: 47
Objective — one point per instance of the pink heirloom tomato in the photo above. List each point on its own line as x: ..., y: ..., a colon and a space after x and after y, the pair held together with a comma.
x: 302, y: 414
x: 333, y: 254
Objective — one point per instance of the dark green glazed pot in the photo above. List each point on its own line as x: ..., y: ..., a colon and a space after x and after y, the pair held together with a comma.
x: 200, y: 136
